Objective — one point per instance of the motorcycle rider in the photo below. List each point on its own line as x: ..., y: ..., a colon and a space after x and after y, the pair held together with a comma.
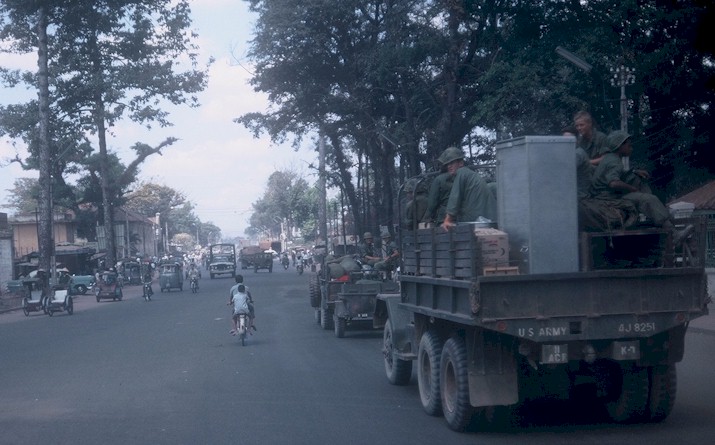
x: 249, y: 302
x: 239, y: 299
x: 194, y: 274
x: 285, y: 261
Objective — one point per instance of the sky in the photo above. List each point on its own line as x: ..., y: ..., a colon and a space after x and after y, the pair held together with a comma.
x: 216, y: 164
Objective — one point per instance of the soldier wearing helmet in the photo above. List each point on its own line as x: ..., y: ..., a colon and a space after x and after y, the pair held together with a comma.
x: 367, y: 250
x: 610, y: 180
x: 470, y: 197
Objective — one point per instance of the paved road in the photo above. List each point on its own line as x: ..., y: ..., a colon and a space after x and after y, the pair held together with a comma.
x: 167, y: 372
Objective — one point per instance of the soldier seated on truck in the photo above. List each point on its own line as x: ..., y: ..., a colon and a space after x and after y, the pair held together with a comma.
x: 610, y: 180
x: 390, y: 252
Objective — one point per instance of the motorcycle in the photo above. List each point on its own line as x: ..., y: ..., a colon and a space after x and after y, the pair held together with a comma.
x: 286, y: 262
x: 194, y: 284
x: 299, y: 267
x: 148, y: 292
x: 242, y: 328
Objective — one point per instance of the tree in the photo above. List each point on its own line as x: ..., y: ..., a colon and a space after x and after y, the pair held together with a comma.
x: 286, y: 203
x: 110, y: 59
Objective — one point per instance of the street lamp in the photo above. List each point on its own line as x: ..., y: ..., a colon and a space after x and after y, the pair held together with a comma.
x: 623, y: 76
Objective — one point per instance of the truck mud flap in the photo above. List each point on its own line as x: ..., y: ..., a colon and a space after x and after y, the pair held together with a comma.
x: 401, y: 323
x: 493, y: 372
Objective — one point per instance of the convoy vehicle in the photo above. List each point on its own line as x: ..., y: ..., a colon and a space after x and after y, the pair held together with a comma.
x: 343, y: 294
x: 539, y: 309
x: 247, y: 254
x: 262, y: 260
x: 222, y: 260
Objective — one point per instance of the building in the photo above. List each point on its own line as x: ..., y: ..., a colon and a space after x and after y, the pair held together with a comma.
x: 6, y: 252
x: 703, y: 204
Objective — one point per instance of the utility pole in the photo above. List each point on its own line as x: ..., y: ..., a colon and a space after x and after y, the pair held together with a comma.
x: 323, y: 211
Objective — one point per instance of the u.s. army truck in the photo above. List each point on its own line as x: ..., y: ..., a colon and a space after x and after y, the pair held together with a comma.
x: 536, y: 308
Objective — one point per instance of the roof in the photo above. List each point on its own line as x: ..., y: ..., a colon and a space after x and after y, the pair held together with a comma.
x: 703, y: 197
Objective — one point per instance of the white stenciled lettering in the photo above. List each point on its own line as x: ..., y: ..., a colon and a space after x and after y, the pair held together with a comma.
x: 552, y: 332
x: 525, y: 332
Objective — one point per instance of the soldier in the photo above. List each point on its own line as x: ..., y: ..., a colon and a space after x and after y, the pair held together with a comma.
x: 591, y: 140
x: 368, y: 251
x: 416, y: 206
x: 609, y: 182
x: 470, y: 197
x: 390, y: 254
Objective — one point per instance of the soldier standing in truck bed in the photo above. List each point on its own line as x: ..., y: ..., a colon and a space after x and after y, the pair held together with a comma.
x: 470, y: 197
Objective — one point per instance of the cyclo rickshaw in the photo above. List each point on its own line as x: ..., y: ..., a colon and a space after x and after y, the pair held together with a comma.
x: 108, y: 286
x: 170, y: 277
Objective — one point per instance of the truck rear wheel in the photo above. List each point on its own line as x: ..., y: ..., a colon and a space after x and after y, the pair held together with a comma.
x: 630, y: 395
x: 428, y: 357
x: 399, y: 372
x: 663, y: 384
x: 454, y: 384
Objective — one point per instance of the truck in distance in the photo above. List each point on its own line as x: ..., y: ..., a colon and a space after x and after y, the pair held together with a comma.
x: 222, y: 260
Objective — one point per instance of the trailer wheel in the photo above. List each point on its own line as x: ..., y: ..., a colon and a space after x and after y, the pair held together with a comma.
x: 631, y: 395
x: 454, y: 384
x: 326, y: 318
x: 314, y: 288
x: 428, y: 357
x: 398, y: 371
x: 663, y: 385
x: 340, y: 325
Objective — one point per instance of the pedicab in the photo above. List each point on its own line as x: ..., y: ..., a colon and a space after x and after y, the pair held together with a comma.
x: 33, y: 301
x: 59, y: 300
x: 171, y: 277
x: 108, y: 286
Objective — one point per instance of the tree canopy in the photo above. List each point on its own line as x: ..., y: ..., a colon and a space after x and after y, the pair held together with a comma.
x: 392, y: 83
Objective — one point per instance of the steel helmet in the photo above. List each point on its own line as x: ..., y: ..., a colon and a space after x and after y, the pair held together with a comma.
x: 367, y: 235
x: 450, y: 154
x: 616, y: 139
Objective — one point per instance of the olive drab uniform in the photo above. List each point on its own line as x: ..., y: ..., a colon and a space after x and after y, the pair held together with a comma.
x: 597, y: 146
x: 470, y: 197
x: 438, y: 196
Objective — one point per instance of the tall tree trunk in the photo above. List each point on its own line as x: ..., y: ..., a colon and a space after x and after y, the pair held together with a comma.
x: 99, y: 122
x: 46, y: 247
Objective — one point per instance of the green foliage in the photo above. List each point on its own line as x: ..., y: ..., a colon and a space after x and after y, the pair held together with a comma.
x: 288, y: 202
x: 392, y: 83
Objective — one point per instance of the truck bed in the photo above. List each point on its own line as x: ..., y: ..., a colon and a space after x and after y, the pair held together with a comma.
x: 593, y: 304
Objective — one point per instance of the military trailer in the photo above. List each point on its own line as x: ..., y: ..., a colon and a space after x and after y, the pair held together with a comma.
x: 342, y: 294
x: 538, y: 308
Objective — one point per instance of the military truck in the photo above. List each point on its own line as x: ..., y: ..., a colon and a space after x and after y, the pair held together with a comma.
x: 537, y: 308
x: 246, y: 255
x: 222, y: 260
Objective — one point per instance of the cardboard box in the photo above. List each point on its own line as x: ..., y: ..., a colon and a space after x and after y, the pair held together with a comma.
x: 494, y: 246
